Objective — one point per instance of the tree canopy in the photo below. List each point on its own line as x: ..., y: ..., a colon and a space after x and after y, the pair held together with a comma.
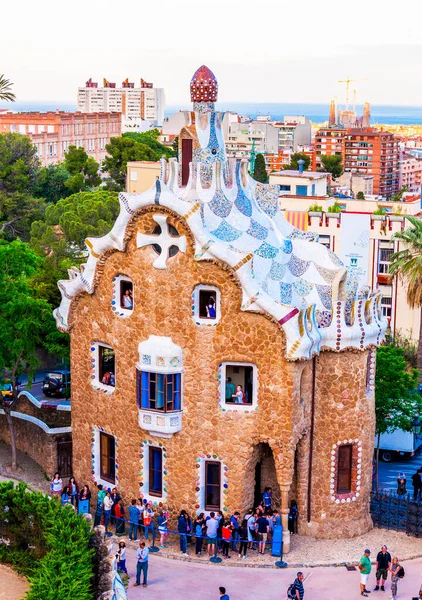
x: 294, y: 158
x: 150, y: 138
x: 122, y: 150
x: 83, y: 170
x: 260, y: 173
x: 332, y: 164
x: 19, y: 164
x: 51, y: 183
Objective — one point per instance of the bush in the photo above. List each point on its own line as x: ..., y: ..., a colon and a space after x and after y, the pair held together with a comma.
x: 380, y: 211
x: 335, y: 208
x: 315, y: 208
x: 47, y: 542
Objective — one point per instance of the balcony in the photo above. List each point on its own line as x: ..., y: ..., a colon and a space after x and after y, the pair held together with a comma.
x: 160, y: 424
x: 384, y: 279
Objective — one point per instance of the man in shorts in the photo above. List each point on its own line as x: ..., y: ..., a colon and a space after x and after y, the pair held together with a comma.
x: 262, y: 528
x: 383, y: 565
x: 212, y: 526
x: 365, y: 569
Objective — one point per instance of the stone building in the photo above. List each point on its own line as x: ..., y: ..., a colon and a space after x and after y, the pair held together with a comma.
x: 205, y: 281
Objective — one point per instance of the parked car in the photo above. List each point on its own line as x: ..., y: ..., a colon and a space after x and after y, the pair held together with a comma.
x: 57, y: 383
x: 6, y: 390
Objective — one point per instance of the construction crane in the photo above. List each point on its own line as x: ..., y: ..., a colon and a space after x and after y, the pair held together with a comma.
x: 347, y: 82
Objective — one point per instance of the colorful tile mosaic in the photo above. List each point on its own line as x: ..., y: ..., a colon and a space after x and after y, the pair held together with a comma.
x: 256, y: 230
x: 267, y: 198
x: 325, y: 294
x: 226, y: 233
x: 220, y: 204
x: 266, y: 251
x: 297, y: 266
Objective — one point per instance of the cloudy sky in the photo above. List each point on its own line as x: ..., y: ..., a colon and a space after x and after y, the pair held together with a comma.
x: 271, y: 51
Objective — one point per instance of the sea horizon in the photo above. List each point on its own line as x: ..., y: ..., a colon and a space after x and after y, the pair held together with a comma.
x: 316, y: 112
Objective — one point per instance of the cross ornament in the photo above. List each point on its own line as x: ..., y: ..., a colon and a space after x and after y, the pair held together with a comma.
x: 163, y: 239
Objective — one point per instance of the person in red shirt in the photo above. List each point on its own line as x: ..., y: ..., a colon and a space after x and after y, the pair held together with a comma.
x: 227, y: 535
x: 119, y: 512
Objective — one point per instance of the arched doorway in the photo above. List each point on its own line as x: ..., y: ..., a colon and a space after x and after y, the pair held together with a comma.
x: 265, y: 474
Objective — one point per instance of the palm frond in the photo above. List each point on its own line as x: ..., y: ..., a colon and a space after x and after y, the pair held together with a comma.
x: 6, y: 90
x: 407, y: 263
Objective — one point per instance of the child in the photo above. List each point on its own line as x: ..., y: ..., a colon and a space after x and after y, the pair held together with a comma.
x: 121, y: 557
x: 227, y: 534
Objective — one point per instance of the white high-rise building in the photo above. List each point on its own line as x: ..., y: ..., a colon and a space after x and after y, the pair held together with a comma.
x: 144, y: 102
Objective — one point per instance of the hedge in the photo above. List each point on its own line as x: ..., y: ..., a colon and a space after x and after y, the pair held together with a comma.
x: 46, y: 542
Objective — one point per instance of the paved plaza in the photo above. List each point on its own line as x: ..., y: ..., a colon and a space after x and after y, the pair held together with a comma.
x: 176, y: 580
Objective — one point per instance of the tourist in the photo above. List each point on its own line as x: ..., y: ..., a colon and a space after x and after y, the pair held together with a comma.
x: 234, y: 519
x: 100, y: 505
x: 296, y: 590
x: 121, y: 557
x: 127, y: 300
x: 182, y: 528
x: 142, y: 564
x: 188, y: 529
x: 84, y: 500
x: 220, y: 520
x: 251, y: 530
x: 223, y: 595
x: 66, y: 495
x: 148, y: 523
x: 267, y: 498
x: 238, y: 395
x: 269, y: 516
x: 106, y: 378
x: 212, y: 526
x: 108, y: 506
x: 133, y: 521
x: 119, y: 511
x: 230, y: 390
x: 140, y: 506
x: 227, y: 536
x: 112, y: 379
x: 417, y: 484
x: 56, y: 485
x: 383, y: 566
x: 162, y: 527
x: 276, y: 518
x: 243, y: 535
x: 210, y: 308
x: 115, y: 497
x: 293, y: 515
x: 394, y: 568
x: 401, y: 484
x: 73, y: 491
x: 365, y: 569
x: 199, y: 532
x: 262, y: 528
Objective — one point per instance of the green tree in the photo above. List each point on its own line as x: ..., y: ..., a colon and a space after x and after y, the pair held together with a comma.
x: 360, y: 196
x: 83, y: 170
x: 23, y: 318
x: 73, y: 219
x: 395, y: 404
x: 407, y: 265
x: 6, y: 93
x: 52, y: 183
x: 150, y: 138
x: 122, y: 150
x: 332, y: 164
x: 294, y: 158
x: 175, y: 146
x: 17, y: 212
x: 19, y: 164
x: 259, y: 172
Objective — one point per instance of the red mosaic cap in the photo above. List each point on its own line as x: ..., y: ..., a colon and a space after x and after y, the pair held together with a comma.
x: 203, y: 85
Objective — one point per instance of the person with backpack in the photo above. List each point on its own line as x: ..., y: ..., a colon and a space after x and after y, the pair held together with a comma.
x: 296, y: 591
x: 417, y: 484
x: 397, y: 572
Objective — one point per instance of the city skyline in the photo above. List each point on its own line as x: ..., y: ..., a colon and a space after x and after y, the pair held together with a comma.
x: 263, y: 59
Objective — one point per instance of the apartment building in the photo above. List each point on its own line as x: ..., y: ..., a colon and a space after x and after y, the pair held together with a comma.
x: 329, y: 141
x: 293, y: 131
x: 260, y: 136
x: 410, y: 172
x: 53, y: 133
x: 142, y: 102
x: 363, y: 242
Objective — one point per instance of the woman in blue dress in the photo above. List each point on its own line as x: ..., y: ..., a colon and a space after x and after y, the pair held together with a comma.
x: 210, y: 307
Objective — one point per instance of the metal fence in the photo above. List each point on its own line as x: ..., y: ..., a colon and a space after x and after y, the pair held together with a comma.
x: 400, y: 513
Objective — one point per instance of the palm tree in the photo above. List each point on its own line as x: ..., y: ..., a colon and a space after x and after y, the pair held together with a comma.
x: 6, y: 90
x: 407, y: 264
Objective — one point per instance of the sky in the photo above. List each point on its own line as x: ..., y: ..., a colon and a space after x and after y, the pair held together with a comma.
x: 270, y: 51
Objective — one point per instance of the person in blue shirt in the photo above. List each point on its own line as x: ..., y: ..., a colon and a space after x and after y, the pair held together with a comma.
x: 210, y: 308
x: 223, y: 595
x: 182, y: 528
x: 234, y: 519
x: 134, y: 521
x: 267, y: 497
x: 66, y: 496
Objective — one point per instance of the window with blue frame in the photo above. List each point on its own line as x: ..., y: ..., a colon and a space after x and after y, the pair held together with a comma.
x: 301, y: 190
x: 155, y: 460
x: 159, y: 391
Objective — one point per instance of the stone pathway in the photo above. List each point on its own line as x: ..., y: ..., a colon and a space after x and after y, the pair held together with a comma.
x: 13, y: 586
x: 172, y: 580
x: 31, y: 472
x: 310, y: 552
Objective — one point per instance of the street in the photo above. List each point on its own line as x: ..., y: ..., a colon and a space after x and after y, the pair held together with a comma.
x: 388, y: 472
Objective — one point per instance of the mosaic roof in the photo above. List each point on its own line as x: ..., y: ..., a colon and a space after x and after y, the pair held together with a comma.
x: 203, y: 86
x: 284, y: 272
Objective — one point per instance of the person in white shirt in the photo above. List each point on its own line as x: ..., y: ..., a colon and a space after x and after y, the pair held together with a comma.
x: 212, y: 526
x: 142, y: 564
x: 108, y: 505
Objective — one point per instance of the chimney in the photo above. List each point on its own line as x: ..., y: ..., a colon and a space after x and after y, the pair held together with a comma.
x: 300, y: 163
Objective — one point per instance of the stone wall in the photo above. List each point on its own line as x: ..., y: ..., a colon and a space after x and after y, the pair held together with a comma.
x: 163, y: 300
x: 32, y: 440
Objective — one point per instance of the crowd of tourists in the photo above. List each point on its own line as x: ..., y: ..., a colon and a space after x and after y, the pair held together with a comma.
x: 385, y: 565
